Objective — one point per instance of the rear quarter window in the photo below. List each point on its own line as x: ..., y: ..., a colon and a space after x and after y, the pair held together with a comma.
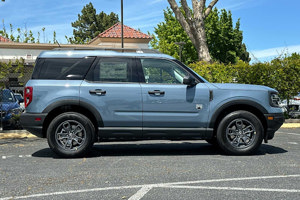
x: 62, y: 68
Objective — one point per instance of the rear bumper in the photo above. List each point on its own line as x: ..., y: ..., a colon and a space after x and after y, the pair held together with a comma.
x: 274, y: 122
x: 33, y: 122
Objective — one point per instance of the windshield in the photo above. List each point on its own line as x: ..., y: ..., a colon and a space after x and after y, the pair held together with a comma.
x: 7, y: 96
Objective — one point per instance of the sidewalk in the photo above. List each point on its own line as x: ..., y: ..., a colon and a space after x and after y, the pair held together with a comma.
x: 17, y: 134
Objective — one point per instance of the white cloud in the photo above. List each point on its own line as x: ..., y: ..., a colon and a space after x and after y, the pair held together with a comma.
x: 274, y: 52
x: 238, y: 5
x: 155, y: 2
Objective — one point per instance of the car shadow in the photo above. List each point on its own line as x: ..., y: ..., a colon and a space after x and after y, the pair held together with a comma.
x: 157, y: 149
x: 269, y: 149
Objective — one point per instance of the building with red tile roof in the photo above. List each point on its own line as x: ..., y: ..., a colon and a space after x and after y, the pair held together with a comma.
x: 3, y: 39
x: 111, y: 38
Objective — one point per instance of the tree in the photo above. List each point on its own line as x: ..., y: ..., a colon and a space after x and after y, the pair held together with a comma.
x: 225, y: 42
x: 22, y: 35
x: 11, y: 67
x: 288, y: 70
x: 90, y: 24
x: 166, y: 35
x: 194, y: 25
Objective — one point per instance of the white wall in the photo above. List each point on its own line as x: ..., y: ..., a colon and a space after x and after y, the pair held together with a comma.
x: 29, y: 55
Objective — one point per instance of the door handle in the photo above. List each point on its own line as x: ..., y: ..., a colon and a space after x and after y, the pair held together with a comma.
x: 156, y: 92
x: 98, y: 92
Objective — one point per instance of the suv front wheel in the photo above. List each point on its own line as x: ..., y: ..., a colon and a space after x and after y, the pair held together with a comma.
x: 240, y: 133
x: 71, y: 134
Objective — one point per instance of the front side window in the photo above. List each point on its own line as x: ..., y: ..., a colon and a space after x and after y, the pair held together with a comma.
x: 162, y: 71
x: 112, y: 70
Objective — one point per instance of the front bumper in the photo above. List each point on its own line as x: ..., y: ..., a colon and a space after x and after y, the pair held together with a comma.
x: 274, y: 122
x: 33, y: 122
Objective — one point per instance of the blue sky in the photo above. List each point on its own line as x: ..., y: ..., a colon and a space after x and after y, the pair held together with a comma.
x: 270, y: 27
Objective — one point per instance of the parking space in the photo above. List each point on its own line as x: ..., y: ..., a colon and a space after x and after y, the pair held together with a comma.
x: 151, y: 170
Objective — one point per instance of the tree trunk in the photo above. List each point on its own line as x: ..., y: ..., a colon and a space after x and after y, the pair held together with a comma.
x: 194, y: 24
x: 202, y: 48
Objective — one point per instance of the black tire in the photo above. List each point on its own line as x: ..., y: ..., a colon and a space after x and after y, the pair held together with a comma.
x: 71, y: 134
x: 240, y: 133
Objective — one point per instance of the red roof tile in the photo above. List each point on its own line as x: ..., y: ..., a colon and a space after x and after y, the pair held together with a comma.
x: 3, y: 39
x: 128, y: 32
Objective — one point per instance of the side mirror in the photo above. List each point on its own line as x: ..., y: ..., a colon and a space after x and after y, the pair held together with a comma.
x: 188, y: 80
x: 21, y: 100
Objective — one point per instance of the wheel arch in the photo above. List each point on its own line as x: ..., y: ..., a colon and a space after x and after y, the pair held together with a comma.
x: 232, y: 106
x: 83, y: 108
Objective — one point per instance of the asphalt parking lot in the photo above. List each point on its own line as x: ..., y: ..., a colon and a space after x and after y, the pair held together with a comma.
x: 151, y: 170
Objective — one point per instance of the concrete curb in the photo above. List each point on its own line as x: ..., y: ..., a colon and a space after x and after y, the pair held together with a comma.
x: 290, y: 125
x: 17, y: 134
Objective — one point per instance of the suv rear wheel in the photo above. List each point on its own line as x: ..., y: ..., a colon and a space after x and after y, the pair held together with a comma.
x: 71, y: 134
x: 240, y: 133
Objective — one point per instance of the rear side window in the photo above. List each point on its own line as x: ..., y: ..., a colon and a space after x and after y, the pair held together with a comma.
x: 62, y: 68
x: 113, y: 70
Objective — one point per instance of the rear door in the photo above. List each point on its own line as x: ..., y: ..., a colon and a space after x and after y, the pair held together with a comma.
x: 112, y: 88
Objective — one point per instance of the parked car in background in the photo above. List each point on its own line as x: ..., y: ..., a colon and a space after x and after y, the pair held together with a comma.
x: 293, y: 109
x: 20, y: 99
x: 9, y: 109
x: 297, y: 97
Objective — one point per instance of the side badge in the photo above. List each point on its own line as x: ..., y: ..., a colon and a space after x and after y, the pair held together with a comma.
x: 199, y: 106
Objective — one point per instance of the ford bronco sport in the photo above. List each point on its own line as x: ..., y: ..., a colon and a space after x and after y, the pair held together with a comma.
x: 78, y: 97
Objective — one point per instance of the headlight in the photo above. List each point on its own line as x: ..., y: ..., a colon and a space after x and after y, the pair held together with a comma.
x: 274, y: 100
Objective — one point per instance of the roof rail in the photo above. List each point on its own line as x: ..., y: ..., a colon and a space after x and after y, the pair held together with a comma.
x: 113, y: 49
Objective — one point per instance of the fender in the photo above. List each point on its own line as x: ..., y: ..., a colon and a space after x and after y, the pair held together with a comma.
x: 240, y: 102
x: 72, y: 102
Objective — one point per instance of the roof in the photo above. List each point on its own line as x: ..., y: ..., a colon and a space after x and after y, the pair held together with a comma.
x: 128, y: 32
x: 3, y: 39
x: 84, y: 53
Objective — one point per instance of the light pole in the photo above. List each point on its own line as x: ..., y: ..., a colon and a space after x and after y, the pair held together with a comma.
x: 122, y: 33
x: 180, y: 44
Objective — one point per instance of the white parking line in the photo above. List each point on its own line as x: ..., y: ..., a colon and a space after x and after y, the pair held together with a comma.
x: 14, y: 156
x: 298, y: 134
x: 141, y: 193
x: 147, y: 187
x: 292, y: 142
x: 231, y: 188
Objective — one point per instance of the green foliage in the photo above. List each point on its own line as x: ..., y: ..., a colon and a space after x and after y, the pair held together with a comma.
x: 224, y: 41
x: 24, y: 36
x: 288, y: 70
x: 11, y: 67
x: 281, y: 73
x: 214, y: 72
x: 169, y: 32
x: 90, y: 24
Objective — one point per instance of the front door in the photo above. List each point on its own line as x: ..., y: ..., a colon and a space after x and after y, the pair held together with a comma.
x: 170, y: 107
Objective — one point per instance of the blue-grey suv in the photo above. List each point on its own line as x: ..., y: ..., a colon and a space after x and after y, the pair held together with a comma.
x: 78, y: 97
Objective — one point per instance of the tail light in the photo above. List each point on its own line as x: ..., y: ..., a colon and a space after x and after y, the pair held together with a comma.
x: 28, y: 95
